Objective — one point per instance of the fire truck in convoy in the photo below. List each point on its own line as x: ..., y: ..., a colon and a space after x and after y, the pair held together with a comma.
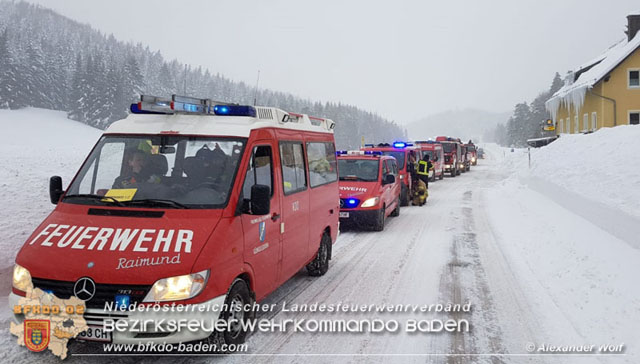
x: 369, y: 188
x: 191, y: 201
x: 452, y: 155
x: 402, y: 152
x: 471, y: 148
x: 436, y: 156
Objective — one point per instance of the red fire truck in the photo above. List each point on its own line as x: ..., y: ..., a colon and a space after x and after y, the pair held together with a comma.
x: 369, y: 188
x: 402, y: 152
x: 187, y: 202
x: 453, y: 162
x: 471, y: 148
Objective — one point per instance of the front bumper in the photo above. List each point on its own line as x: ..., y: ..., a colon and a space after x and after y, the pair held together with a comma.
x: 359, y: 217
x: 204, y: 312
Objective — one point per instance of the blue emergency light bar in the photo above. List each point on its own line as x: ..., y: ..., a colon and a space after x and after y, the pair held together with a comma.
x: 184, y: 104
x: 372, y: 152
x: 401, y: 144
x: 235, y: 110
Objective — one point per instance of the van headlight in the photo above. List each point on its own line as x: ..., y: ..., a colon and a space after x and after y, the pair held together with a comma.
x: 177, y: 288
x: 370, y: 202
x: 21, y: 278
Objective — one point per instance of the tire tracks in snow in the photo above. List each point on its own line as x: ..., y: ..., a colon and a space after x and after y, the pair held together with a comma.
x: 464, y: 280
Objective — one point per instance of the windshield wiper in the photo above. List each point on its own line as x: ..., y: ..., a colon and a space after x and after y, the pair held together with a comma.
x: 96, y: 197
x: 154, y: 202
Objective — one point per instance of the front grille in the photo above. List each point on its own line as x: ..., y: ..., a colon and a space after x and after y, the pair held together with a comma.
x: 105, y: 293
x: 96, y: 317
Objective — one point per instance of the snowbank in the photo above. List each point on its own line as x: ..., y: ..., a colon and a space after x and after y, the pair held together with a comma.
x: 36, y: 145
x: 568, y: 226
x: 603, y: 166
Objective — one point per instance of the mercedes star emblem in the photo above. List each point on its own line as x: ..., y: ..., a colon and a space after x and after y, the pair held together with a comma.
x: 84, y: 288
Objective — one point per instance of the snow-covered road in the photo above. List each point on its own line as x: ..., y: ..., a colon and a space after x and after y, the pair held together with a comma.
x: 536, y: 272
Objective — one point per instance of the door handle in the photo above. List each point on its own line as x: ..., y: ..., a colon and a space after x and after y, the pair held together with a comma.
x: 275, y: 217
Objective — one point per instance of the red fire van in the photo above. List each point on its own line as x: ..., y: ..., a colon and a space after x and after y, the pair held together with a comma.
x: 187, y: 201
x: 436, y: 156
x: 369, y: 188
x: 402, y: 152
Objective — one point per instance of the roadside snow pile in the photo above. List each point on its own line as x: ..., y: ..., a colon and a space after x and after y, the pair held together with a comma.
x: 36, y: 145
x: 603, y: 166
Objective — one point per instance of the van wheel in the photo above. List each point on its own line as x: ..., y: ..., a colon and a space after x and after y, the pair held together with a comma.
x: 404, y: 195
x: 396, y: 211
x: 379, y: 225
x: 320, y: 265
x: 238, y: 299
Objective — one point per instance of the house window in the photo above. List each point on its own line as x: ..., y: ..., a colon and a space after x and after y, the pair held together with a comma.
x: 634, y: 117
x: 576, y: 124
x: 634, y: 78
x: 594, y: 120
x: 585, y: 122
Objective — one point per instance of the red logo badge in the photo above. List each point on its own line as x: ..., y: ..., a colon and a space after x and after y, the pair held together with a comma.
x: 36, y: 334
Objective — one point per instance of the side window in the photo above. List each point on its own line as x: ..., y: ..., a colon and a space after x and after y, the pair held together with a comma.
x: 385, y: 169
x: 259, y: 171
x: 394, y: 168
x: 634, y: 78
x: 322, y: 163
x: 294, y: 177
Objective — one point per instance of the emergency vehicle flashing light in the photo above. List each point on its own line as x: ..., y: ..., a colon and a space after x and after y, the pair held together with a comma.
x: 351, y: 202
x: 401, y: 144
x: 184, y: 104
x: 359, y: 152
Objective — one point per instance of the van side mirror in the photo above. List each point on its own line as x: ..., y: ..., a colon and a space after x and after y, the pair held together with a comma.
x: 55, y: 189
x: 389, y: 179
x: 260, y: 200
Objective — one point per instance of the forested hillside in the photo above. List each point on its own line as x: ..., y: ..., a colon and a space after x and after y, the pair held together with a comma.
x: 50, y: 61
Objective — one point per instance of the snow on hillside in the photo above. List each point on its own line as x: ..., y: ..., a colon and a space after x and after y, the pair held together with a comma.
x: 36, y: 145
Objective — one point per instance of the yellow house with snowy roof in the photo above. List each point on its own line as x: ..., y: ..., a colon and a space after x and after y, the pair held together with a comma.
x: 603, y: 92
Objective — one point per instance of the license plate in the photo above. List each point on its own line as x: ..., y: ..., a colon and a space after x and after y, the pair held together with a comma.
x: 344, y: 214
x: 95, y: 333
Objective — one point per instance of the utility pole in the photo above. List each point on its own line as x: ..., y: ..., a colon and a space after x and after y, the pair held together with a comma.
x: 255, y: 94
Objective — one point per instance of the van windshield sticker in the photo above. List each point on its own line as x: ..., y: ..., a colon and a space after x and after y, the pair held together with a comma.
x: 121, y: 194
x: 94, y: 238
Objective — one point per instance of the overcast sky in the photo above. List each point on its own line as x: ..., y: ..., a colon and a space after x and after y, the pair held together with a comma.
x: 402, y: 59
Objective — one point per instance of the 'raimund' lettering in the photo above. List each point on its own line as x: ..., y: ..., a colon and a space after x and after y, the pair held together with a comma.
x: 115, y: 239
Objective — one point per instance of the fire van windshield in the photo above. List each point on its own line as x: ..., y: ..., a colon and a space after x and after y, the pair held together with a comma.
x: 399, y: 156
x: 448, y: 147
x: 158, y: 172
x: 358, y: 170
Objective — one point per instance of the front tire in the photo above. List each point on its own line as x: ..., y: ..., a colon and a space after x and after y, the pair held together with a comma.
x: 404, y: 195
x: 396, y: 212
x: 320, y: 264
x: 379, y: 225
x: 453, y: 172
x: 238, y: 300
